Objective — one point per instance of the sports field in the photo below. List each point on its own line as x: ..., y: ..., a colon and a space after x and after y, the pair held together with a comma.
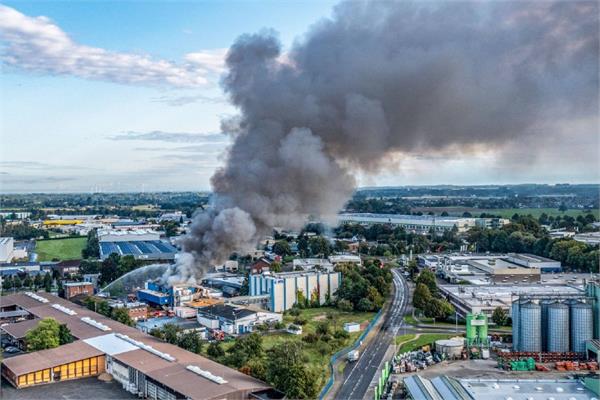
x: 60, y: 249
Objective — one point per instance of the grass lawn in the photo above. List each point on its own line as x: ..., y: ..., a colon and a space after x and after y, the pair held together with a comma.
x: 422, y: 340
x: 506, y: 212
x: 61, y: 249
x: 316, y: 357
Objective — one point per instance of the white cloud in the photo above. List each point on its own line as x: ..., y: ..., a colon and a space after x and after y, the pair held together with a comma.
x: 38, y: 45
x: 172, y: 137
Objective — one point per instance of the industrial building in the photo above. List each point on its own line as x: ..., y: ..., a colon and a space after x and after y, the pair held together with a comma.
x: 491, y: 268
x: 9, y: 252
x: 159, y: 295
x: 73, y: 289
x: 235, y: 320
x: 422, y: 223
x: 447, y: 388
x: 485, y: 298
x: 283, y: 288
x: 307, y: 264
x: 142, y: 364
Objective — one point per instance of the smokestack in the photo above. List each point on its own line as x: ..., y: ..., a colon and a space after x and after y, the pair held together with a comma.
x: 382, y: 79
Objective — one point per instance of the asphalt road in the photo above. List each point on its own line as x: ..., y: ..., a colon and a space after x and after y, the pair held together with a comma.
x: 358, y: 375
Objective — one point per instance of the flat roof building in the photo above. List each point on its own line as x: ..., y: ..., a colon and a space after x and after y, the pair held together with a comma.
x: 485, y: 298
x: 143, y: 364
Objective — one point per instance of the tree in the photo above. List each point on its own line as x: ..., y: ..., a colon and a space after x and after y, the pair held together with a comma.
x: 244, y: 349
x: 563, y: 207
x: 7, y: 283
x: 37, y: 281
x: 48, y: 282
x: 319, y: 246
x: 170, y: 333
x: 438, y: 308
x: 64, y: 334
x: 215, y: 350
x: 275, y: 266
x: 17, y: 282
x: 287, y: 371
x: 103, y: 308
x: 92, y: 247
x: 121, y: 315
x: 44, y: 336
x: 500, y: 316
x: 191, y: 341
x: 422, y: 296
x: 27, y: 282
x: 282, y: 248
x: 427, y: 278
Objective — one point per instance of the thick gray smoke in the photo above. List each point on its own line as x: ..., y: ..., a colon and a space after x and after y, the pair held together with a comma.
x: 381, y: 79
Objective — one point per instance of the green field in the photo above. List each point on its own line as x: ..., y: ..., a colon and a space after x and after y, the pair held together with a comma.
x: 505, y: 212
x: 60, y: 249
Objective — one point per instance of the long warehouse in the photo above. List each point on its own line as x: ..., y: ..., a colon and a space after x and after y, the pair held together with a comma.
x: 143, y: 364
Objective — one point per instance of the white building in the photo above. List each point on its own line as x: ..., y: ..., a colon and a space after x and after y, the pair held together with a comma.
x: 8, y: 252
x: 591, y: 238
x: 345, y: 258
x: 234, y: 320
x: 422, y: 223
x: 284, y: 287
x: 307, y: 264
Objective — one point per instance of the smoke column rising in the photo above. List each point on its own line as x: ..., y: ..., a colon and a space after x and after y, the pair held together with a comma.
x: 380, y: 79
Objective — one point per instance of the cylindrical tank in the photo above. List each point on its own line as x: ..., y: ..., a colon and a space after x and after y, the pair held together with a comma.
x: 471, y: 329
x: 581, y: 326
x: 557, y: 332
x: 482, y: 330
x: 530, y: 326
x: 451, y: 347
x: 544, y: 304
x: 515, y: 316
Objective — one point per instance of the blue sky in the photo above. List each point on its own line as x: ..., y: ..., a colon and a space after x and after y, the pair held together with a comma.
x: 139, y: 107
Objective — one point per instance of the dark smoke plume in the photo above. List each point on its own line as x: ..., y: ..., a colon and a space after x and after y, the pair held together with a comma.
x: 381, y: 79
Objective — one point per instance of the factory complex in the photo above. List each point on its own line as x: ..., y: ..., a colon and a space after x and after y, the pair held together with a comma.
x: 422, y: 223
x: 144, y: 365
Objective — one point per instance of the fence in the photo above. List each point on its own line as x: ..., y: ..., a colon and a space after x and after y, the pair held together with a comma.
x: 345, y: 351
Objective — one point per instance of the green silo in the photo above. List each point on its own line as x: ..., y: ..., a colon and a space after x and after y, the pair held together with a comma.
x: 482, y: 330
x: 471, y: 329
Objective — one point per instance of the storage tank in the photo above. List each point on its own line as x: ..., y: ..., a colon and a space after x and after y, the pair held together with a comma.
x: 581, y: 326
x: 482, y: 330
x: 452, y: 348
x: 557, y: 333
x: 544, y: 304
x: 514, y: 315
x: 530, y: 326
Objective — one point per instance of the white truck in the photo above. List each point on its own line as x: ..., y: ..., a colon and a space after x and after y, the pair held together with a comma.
x: 353, y: 355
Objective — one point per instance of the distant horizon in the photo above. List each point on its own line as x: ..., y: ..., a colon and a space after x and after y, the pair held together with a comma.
x: 358, y: 188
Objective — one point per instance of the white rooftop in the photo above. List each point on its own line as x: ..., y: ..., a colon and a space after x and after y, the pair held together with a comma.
x: 110, y: 344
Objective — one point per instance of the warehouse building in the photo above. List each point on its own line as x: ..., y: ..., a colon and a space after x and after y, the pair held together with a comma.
x: 144, y: 365
x: 447, y: 388
x: 283, y: 288
x: 139, y: 249
x: 421, y: 223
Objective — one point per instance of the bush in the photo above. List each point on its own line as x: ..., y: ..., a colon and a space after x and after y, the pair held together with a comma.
x: 345, y: 305
x: 279, y: 325
x: 300, y: 321
x: 295, y: 311
x: 341, y: 334
x: 322, y: 328
x: 311, y: 338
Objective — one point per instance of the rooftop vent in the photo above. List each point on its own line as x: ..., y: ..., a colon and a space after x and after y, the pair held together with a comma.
x: 95, y: 324
x: 64, y: 309
x: 36, y: 297
x: 143, y: 346
x: 206, y: 374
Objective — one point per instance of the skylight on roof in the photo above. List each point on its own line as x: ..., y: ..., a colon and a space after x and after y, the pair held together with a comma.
x: 64, y: 309
x: 95, y: 324
x: 206, y: 374
x: 36, y: 297
x: 144, y: 346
